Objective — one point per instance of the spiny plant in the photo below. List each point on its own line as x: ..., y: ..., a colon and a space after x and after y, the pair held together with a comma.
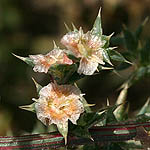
x: 61, y: 102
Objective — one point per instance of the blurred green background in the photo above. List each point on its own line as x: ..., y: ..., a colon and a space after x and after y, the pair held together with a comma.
x: 29, y: 27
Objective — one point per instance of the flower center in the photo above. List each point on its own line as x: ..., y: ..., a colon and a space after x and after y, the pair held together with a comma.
x: 84, y: 50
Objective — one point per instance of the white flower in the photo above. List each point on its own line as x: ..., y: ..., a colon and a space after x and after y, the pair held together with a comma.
x: 59, y: 103
x: 43, y: 62
x: 88, y: 47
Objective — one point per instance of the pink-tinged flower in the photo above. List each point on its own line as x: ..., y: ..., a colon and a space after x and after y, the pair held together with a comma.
x: 43, y: 62
x: 86, y: 46
x: 59, y: 103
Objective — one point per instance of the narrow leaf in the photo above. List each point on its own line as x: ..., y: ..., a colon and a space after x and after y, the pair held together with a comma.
x: 106, y: 39
x: 97, y: 27
x: 74, y: 28
x: 114, y: 55
x: 145, y: 53
x: 130, y: 41
x: 55, y: 46
x: 25, y: 59
x: 106, y: 57
x: 30, y: 107
x: 38, y: 86
x: 63, y: 129
x: 140, y: 28
x: 116, y: 40
x: 68, y: 29
x: 145, y: 108
x: 122, y: 110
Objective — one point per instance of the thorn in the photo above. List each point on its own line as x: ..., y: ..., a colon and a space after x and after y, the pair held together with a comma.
x: 108, y: 104
x: 91, y: 139
x: 111, y: 34
x: 19, y: 57
x: 129, y: 62
x: 99, y: 13
x: 75, y: 84
x: 115, y: 72
x: 145, y: 21
x: 68, y: 29
x: 112, y: 48
x: 80, y: 94
x: 54, y: 43
x: 36, y: 84
x: 35, y: 100
x: 107, y: 68
x: 28, y: 107
x: 65, y: 140
x: 80, y: 32
x: 74, y: 28
x: 89, y: 105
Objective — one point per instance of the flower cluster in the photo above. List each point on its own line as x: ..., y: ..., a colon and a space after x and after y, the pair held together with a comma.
x: 59, y: 103
x: 87, y: 47
x: 42, y: 63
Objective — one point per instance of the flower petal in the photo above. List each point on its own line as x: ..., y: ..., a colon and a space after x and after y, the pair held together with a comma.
x: 70, y: 40
x: 67, y: 89
x: 97, y: 56
x: 40, y: 108
x: 42, y: 63
x: 46, y: 91
x: 87, y: 67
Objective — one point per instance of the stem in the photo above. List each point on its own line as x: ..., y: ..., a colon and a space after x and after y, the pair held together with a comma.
x: 54, y: 140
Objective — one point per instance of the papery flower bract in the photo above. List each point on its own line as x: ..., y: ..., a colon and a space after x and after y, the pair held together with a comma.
x: 43, y: 62
x: 59, y: 103
x: 88, y: 47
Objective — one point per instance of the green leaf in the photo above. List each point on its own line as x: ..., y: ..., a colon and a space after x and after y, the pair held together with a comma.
x: 112, y: 146
x: 68, y: 29
x: 97, y: 27
x: 114, y: 55
x: 130, y: 42
x: 38, y: 86
x: 140, y: 28
x: 140, y: 73
x: 135, y: 76
x: 131, y: 145
x: 63, y: 129
x: 80, y: 131
x: 122, y: 66
x: 74, y: 28
x: 109, y: 115
x: 148, y: 70
x: 62, y: 73
x: 30, y: 107
x: 106, y: 57
x: 90, y: 119
x: 117, y: 40
x: 145, y: 54
x: 75, y: 77
x: 100, y: 68
x: 91, y: 147
x: 121, y: 112
x: 142, y: 119
x: 27, y: 60
x: 106, y: 39
x: 86, y: 105
x: 145, y: 108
